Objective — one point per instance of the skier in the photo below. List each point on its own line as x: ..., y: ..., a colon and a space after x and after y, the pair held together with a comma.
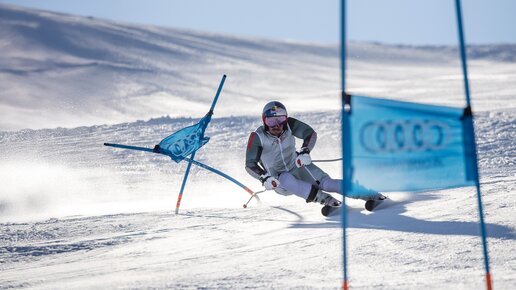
x: 271, y: 157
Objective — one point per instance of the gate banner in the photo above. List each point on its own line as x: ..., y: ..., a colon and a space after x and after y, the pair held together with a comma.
x: 402, y: 146
x: 185, y: 141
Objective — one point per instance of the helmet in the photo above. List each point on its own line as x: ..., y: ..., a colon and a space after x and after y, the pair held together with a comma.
x: 274, y: 113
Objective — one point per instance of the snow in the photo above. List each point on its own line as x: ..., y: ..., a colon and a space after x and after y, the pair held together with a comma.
x: 77, y: 215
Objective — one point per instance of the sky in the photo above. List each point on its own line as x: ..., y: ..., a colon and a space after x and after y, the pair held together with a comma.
x: 413, y: 22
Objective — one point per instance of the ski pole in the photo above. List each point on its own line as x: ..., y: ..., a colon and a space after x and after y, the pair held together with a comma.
x: 327, y: 160
x: 253, y: 195
x: 313, y: 177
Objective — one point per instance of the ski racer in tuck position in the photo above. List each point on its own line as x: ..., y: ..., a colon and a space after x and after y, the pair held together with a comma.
x: 271, y: 157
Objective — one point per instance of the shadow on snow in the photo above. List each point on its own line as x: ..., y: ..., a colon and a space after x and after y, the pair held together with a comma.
x: 390, y: 217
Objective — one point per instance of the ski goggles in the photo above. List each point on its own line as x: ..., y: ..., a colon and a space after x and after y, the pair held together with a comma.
x: 275, y: 121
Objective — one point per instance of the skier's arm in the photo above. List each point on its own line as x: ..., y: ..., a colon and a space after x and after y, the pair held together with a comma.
x: 252, y: 156
x: 303, y: 131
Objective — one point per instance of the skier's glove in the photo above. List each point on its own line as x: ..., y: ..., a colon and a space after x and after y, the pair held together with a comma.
x: 269, y: 182
x: 303, y: 158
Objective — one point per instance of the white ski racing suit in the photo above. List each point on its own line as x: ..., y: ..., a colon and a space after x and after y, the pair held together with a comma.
x: 275, y: 156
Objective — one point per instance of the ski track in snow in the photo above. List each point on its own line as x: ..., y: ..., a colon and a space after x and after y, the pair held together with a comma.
x: 77, y: 215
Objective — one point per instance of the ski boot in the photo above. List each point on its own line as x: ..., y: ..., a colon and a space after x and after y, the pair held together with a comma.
x: 326, y: 199
x: 331, y: 205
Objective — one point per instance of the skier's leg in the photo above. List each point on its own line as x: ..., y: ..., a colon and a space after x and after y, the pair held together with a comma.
x: 361, y: 192
x: 305, y: 190
x: 331, y: 185
x: 294, y: 186
x: 358, y: 191
x: 309, y: 173
x: 314, y: 174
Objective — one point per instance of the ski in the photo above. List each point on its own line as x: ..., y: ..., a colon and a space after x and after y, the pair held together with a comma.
x: 329, y: 210
x: 372, y: 204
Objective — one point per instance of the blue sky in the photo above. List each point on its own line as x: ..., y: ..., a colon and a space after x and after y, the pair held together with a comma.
x: 388, y: 21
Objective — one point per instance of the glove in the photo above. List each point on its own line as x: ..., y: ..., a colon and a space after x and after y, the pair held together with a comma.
x: 269, y: 182
x: 303, y: 158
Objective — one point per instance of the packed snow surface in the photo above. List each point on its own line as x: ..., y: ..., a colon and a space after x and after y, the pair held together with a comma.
x: 75, y: 214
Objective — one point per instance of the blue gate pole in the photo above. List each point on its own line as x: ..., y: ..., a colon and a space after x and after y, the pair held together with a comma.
x: 218, y: 172
x: 346, y: 142
x: 195, y: 162
x: 180, y: 196
x: 218, y: 93
x: 462, y: 51
x: 474, y: 153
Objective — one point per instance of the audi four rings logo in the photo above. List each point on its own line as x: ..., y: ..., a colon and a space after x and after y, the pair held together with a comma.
x: 391, y: 136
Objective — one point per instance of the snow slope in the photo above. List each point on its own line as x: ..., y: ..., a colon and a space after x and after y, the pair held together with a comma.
x: 59, y: 70
x: 77, y: 215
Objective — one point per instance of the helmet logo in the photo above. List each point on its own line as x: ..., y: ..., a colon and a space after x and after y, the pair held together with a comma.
x: 277, y: 111
x: 274, y: 109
